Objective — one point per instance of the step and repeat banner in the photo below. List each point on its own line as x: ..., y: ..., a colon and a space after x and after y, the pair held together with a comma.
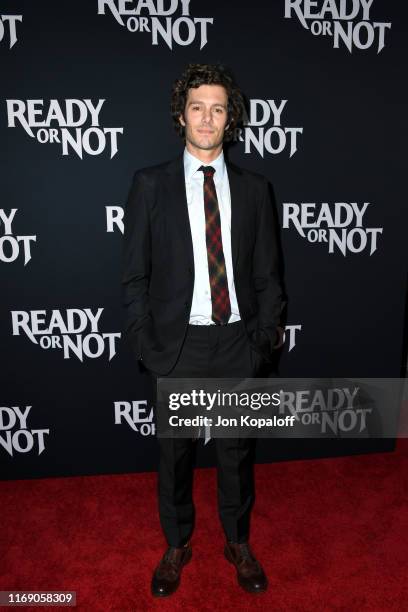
x: 85, y: 101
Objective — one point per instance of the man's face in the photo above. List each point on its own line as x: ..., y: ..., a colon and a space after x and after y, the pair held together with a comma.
x: 205, y: 116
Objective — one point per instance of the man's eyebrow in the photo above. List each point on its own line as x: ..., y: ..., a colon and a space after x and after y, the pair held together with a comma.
x: 201, y: 102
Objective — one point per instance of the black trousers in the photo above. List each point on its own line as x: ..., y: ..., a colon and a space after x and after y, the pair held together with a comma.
x: 218, y: 351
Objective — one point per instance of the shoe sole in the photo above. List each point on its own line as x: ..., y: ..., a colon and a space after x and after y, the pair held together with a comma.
x: 228, y: 557
x: 186, y: 559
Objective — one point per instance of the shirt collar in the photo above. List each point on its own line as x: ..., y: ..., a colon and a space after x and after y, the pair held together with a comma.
x: 192, y: 164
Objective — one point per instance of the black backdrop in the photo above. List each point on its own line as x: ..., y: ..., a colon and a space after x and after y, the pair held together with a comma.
x: 340, y: 139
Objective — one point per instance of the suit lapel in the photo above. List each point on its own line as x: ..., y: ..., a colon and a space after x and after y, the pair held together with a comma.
x: 179, y: 209
x: 177, y: 188
x: 238, y: 195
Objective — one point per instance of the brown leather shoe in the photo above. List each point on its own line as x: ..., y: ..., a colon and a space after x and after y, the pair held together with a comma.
x: 249, y: 571
x: 166, y: 577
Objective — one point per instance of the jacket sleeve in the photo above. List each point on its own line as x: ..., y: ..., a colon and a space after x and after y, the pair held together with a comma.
x: 266, y: 272
x: 136, y: 261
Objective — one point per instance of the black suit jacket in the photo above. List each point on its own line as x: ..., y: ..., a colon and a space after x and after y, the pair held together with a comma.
x: 158, y: 263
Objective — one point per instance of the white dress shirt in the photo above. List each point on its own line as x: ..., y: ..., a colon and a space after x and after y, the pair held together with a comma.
x: 201, y: 307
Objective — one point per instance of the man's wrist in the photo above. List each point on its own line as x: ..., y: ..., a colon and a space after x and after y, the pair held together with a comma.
x: 280, y: 332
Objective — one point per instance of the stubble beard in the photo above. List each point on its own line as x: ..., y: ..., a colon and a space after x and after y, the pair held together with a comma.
x: 204, y: 147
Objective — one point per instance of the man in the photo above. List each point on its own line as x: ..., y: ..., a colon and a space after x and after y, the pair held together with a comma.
x: 203, y: 299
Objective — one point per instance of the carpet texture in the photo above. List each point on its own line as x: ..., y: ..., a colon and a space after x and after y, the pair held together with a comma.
x: 331, y: 534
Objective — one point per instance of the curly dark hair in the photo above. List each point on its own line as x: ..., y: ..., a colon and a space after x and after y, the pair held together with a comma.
x: 207, y: 74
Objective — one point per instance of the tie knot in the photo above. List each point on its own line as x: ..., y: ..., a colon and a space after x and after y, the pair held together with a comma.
x: 208, y: 171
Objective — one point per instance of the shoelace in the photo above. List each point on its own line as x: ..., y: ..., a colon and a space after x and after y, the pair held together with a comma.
x: 171, y: 556
x: 245, y: 553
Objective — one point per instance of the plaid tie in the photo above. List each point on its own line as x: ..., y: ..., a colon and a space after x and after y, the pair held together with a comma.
x: 221, y: 307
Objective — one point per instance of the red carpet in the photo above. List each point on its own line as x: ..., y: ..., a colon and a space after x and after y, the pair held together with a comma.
x: 331, y: 534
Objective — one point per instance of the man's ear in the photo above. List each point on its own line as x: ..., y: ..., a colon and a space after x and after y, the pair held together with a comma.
x: 181, y: 119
